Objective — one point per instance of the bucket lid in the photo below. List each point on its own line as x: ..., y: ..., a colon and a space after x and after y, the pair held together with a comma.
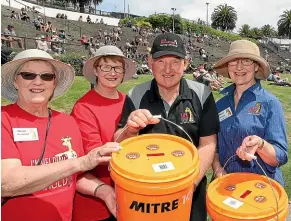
x: 241, y: 195
x: 155, y: 158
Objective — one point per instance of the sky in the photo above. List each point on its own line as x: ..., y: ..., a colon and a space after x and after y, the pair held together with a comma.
x: 256, y: 13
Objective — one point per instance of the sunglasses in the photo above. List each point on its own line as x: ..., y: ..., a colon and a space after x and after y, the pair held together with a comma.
x: 32, y: 76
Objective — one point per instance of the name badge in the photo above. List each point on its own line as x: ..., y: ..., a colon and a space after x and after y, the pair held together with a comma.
x: 225, y: 114
x: 25, y: 134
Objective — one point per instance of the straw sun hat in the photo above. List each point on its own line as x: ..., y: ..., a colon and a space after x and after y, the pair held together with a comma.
x: 88, y: 69
x: 64, y: 73
x: 243, y: 49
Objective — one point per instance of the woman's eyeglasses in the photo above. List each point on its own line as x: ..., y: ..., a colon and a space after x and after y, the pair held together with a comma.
x: 244, y: 61
x: 32, y: 76
x: 108, y: 68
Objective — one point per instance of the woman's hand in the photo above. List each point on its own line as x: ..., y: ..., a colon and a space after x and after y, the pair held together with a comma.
x: 249, y: 146
x: 98, y: 155
x: 107, y: 194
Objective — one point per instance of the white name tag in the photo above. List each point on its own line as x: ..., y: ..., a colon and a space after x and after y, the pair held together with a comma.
x: 225, y: 114
x: 25, y: 134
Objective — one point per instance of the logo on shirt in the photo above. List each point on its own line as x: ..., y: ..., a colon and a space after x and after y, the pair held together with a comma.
x: 187, y: 116
x: 70, y: 153
x: 256, y: 110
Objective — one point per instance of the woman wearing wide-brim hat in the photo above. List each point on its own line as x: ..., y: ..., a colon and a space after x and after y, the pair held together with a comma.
x: 41, y: 148
x: 251, y: 118
x: 97, y: 114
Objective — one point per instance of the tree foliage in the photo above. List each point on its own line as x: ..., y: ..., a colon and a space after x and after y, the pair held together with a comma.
x: 268, y: 31
x: 83, y: 3
x: 144, y: 24
x: 224, y: 17
x: 257, y: 33
x: 244, y: 31
x: 181, y: 26
x: 284, y: 24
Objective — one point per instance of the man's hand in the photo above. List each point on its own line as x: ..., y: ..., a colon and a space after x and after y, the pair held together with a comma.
x: 219, y: 172
x: 139, y: 119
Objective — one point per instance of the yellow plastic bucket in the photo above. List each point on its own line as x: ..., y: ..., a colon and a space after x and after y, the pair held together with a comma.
x: 154, y: 176
x: 246, y: 196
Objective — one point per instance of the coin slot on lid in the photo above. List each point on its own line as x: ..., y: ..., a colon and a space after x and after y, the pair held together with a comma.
x: 245, y: 194
x: 155, y: 154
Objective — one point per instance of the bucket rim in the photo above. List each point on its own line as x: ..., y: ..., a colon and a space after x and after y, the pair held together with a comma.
x: 259, y: 214
x: 192, y: 168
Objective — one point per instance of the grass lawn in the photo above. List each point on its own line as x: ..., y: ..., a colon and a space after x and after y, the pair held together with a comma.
x: 81, y: 86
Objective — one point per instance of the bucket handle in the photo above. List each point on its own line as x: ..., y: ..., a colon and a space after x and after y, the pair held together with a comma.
x: 269, y: 180
x: 159, y: 117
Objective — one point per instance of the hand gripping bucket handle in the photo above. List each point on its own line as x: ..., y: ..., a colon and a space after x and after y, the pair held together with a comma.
x: 156, y: 117
x: 159, y: 117
x: 269, y: 180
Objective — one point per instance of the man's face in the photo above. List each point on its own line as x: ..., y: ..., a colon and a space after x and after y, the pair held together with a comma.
x: 168, y: 70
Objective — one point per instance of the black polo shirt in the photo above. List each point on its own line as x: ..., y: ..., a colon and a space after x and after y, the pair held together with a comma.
x: 194, y: 109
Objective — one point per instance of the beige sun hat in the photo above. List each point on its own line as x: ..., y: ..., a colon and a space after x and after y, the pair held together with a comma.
x: 243, y: 49
x: 88, y: 69
x: 64, y: 73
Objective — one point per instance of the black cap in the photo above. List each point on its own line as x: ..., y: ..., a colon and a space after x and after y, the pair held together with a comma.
x: 168, y: 44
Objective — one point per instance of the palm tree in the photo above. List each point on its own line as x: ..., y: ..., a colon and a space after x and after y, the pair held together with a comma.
x: 224, y: 17
x: 268, y: 31
x: 255, y: 33
x: 284, y: 24
x: 82, y: 3
x: 244, y: 31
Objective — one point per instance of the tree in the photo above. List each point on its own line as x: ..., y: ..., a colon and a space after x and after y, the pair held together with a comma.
x: 255, y: 33
x: 159, y: 21
x: 224, y: 17
x: 268, y: 31
x: 83, y: 3
x: 244, y: 31
x: 144, y: 24
x: 284, y: 24
x: 201, y: 22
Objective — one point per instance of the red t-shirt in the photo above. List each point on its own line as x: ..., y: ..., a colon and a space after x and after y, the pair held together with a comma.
x: 54, y: 202
x: 97, y: 118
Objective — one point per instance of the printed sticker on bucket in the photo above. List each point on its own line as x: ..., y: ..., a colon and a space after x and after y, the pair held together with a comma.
x: 161, y: 167
x: 132, y: 156
x: 234, y: 203
x: 178, y: 153
x: 152, y: 147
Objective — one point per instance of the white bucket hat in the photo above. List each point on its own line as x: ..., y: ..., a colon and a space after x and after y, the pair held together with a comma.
x: 64, y: 73
x: 88, y: 69
x: 243, y: 49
